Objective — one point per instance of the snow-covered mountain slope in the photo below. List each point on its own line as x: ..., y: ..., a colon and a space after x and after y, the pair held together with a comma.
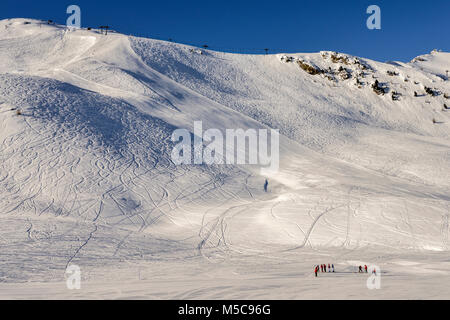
x: 86, y: 175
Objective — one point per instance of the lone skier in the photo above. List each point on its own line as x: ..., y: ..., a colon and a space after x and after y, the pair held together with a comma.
x: 266, y: 184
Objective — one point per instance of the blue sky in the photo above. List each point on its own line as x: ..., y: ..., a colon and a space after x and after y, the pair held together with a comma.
x: 408, y: 28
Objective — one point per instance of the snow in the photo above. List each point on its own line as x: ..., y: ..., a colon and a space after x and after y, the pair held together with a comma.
x: 86, y: 176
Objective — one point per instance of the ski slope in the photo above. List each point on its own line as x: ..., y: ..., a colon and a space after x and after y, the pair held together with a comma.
x: 86, y: 175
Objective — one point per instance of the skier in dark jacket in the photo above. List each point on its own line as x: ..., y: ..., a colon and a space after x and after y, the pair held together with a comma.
x: 266, y: 184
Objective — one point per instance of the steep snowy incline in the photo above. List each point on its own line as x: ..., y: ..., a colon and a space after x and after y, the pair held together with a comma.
x: 334, y: 111
x: 274, y: 88
x: 86, y: 174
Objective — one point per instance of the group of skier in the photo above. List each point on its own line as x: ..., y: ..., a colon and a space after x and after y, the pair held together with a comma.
x: 323, y: 268
x: 360, y: 270
x: 330, y: 267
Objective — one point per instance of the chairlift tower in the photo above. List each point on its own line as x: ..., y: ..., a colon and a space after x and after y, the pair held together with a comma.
x: 104, y: 28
